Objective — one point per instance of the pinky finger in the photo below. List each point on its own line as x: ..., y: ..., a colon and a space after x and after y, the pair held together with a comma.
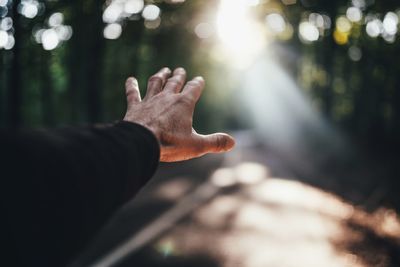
x: 132, y: 91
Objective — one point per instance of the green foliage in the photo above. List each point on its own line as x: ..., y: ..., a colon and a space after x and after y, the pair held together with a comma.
x: 352, y: 77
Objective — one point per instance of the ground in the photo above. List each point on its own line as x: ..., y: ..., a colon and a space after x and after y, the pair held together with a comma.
x: 245, y: 209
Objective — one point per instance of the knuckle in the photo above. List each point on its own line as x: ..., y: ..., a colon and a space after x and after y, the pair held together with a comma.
x: 155, y: 79
x: 184, y: 100
x: 181, y: 76
x: 220, y: 142
x: 129, y: 92
x: 175, y: 81
x: 193, y: 83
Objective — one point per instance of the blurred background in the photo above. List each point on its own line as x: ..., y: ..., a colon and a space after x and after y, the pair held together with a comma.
x: 310, y: 89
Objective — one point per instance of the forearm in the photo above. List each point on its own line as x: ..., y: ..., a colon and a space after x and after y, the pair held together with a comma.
x: 62, y: 185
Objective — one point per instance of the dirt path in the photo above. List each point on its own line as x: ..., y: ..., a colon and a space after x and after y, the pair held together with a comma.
x: 281, y: 223
x: 244, y: 211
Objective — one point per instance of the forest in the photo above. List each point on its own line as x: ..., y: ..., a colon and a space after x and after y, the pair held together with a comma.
x: 345, y: 57
x: 317, y: 81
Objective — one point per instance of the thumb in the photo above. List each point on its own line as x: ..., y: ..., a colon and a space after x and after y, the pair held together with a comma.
x: 217, y: 142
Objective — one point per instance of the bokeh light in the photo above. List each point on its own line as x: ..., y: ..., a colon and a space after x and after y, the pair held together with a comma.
x: 316, y: 19
x: 278, y: 27
x: 342, y: 30
x: 49, y: 39
x: 151, y: 12
x: 6, y: 24
x: 204, y: 30
x: 361, y: 4
x: 64, y: 32
x: 374, y: 28
x: 133, y: 6
x: 56, y: 19
x: 112, y: 13
x: 390, y: 23
x: 37, y: 35
x: 3, y: 38
x: 275, y: 22
x: 354, y: 14
x: 112, y: 31
x: 3, y: 3
x: 118, y: 11
x: 55, y: 34
x: 29, y: 8
x: 343, y: 24
x: 308, y: 32
x: 10, y: 43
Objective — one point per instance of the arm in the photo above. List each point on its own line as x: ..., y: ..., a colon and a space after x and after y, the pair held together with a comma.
x: 61, y: 186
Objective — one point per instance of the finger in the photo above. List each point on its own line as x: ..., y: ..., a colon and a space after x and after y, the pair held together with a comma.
x: 176, y: 82
x: 216, y: 143
x: 156, y: 82
x: 132, y: 91
x: 194, y: 88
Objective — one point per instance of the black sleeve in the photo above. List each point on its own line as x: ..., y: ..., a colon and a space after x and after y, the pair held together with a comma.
x: 59, y: 187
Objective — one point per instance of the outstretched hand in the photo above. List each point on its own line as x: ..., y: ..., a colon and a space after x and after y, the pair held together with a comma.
x: 167, y: 111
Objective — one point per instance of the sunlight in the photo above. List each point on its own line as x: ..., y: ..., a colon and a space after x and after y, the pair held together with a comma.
x: 174, y: 189
x: 242, y: 38
x: 246, y: 173
x: 280, y: 110
x: 219, y: 212
x: 251, y: 173
x: 296, y: 194
x: 223, y: 177
x: 278, y: 221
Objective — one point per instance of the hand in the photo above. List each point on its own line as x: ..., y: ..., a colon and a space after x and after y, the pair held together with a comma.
x: 167, y: 111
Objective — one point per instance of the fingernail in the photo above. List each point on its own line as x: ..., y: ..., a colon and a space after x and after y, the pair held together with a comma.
x: 165, y: 69
x: 230, y: 143
x: 199, y: 78
x: 133, y: 80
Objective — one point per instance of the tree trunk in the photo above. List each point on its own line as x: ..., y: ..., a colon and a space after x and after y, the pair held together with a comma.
x: 14, y: 117
x: 46, y: 90
x: 94, y: 71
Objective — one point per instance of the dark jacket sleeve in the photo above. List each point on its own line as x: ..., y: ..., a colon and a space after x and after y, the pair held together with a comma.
x: 59, y: 187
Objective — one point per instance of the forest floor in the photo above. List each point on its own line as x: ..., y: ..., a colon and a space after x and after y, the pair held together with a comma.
x: 245, y: 209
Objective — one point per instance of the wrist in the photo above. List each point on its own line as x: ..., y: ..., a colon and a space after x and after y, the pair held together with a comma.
x: 148, y: 126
